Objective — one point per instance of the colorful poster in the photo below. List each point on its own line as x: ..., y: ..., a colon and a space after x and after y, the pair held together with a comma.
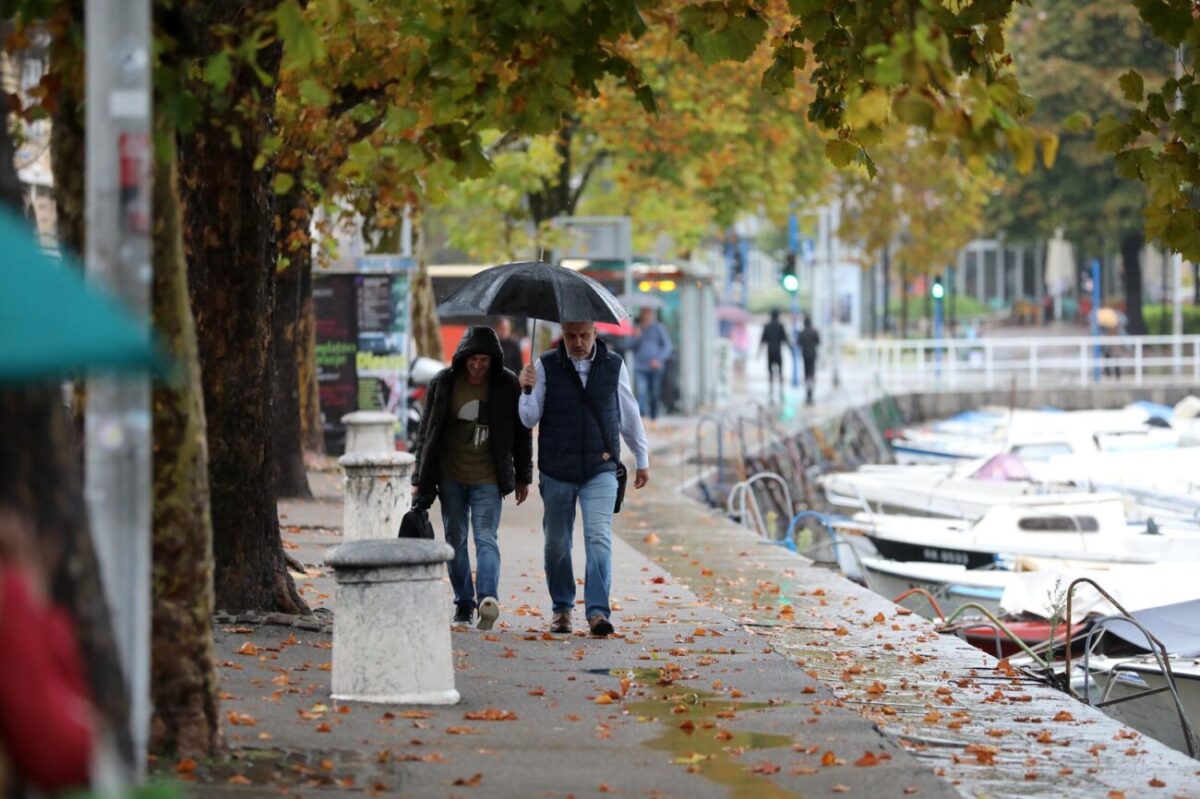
x: 336, y: 351
x: 362, y: 324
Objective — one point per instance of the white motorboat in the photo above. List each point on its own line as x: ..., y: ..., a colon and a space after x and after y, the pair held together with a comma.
x: 1087, y: 528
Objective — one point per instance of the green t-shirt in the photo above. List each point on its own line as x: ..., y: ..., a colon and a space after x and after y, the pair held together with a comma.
x: 467, y: 457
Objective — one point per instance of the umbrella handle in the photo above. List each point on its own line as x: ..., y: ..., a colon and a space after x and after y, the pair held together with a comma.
x: 532, y: 350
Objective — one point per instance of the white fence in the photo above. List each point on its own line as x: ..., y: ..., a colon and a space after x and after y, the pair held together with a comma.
x: 956, y: 364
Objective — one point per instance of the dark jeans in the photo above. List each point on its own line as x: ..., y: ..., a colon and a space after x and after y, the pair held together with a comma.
x: 649, y: 390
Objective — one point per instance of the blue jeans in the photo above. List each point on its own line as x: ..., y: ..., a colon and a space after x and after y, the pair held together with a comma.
x: 596, y: 497
x: 649, y: 390
x: 478, y: 506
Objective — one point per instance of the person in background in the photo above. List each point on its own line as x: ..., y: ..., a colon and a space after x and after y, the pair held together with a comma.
x: 47, y: 724
x: 511, y: 347
x: 580, y: 399
x: 651, y: 351
x: 773, y: 338
x: 472, y: 450
x: 808, y: 340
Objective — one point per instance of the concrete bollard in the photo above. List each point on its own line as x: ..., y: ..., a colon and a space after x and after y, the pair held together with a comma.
x: 391, y: 632
x: 378, y: 491
x: 370, y: 431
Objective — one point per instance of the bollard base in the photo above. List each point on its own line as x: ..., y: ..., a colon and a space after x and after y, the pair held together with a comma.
x: 450, y: 697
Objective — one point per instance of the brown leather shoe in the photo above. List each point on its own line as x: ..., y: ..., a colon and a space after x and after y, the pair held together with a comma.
x: 561, y: 623
x: 600, y: 625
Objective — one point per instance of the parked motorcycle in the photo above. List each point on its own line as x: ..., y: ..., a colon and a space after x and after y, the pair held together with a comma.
x: 420, y: 375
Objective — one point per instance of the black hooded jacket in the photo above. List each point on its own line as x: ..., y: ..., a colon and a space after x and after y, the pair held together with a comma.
x: 511, y: 441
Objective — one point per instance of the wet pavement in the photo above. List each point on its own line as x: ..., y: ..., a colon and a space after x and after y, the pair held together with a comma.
x: 739, y: 670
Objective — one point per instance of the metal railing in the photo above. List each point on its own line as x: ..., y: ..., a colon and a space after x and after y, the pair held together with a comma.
x: 953, y: 364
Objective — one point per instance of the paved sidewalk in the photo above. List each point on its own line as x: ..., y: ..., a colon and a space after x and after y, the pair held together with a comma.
x: 738, y: 671
x: 682, y: 702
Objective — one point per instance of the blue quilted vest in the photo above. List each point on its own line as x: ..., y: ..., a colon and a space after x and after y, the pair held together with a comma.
x: 570, y: 445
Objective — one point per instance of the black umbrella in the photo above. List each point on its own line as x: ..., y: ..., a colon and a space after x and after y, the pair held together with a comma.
x: 534, y: 289
x: 537, y: 290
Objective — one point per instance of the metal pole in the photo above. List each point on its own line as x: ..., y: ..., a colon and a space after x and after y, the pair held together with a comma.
x: 794, y: 249
x: 1095, y: 318
x: 834, y: 220
x: 937, y: 335
x: 117, y: 432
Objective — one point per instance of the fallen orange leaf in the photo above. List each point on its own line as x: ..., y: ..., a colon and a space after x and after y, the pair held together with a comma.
x: 765, y: 767
x: 1063, y: 715
x: 603, y: 699
x: 185, y: 766
x: 238, y: 779
x: 868, y: 759
x: 470, y: 782
x: 490, y: 714
x: 1157, y: 783
x: 324, y: 727
x: 248, y: 648
x: 538, y: 692
x: 462, y: 731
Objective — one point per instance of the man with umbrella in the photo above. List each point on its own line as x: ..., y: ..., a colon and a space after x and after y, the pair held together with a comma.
x: 580, y: 395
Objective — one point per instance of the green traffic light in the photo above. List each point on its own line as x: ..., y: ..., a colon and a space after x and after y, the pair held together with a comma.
x: 791, y: 283
x: 938, y: 291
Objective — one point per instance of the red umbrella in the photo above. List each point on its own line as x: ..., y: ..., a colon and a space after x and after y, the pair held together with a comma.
x: 625, y: 328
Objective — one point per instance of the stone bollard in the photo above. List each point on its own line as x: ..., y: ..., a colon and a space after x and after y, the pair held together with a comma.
x: 391, y: 633
x: 370, y: 431
x: 378, y: 491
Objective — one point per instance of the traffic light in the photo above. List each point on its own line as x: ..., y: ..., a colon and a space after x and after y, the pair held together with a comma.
x: 788, y: 276
x: 937, y: 290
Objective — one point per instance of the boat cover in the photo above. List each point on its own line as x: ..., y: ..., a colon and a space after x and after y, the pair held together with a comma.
x: 1177, y: 626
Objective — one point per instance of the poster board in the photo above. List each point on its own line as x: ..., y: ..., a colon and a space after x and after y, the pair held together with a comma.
x: 362, y: 328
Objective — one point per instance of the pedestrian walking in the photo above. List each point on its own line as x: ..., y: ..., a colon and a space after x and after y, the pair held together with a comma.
x: 774, y: 337
x: 513, y: 359
x: 471, y: 451
x: 580, y: 396
x: 808, y: 340
x: 651, y: 351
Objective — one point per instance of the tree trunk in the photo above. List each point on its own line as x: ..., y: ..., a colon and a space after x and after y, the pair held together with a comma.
x: 183, y: 663
x: 229, y: 236
x: 312, y: 433
x: 67, y: 143
x: 1131, y: 275
x: 554, y: 198
x: 427, y: 334
x: 291, y: 479
x: 903, y: 300
x: 1196, y: 283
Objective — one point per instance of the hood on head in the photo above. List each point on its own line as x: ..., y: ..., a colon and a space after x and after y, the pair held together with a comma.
x: 479, y: 340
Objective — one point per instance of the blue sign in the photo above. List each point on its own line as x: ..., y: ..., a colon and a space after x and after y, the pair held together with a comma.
x: 385, y: 263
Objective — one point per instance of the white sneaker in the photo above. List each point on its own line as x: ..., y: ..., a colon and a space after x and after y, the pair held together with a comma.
x: 489, y: 611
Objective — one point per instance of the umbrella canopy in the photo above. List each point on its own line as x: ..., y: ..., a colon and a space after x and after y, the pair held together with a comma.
x: 537, y: 290
x: 733, y: 313
x: 53, y: 323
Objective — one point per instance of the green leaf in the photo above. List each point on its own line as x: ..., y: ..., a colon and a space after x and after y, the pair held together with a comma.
x: 840, y: 153
x: 1112, y: 135
x: 1132, y: 86
x: 645, y: 97
x: 218, y: 71
x: 302, y: 47
x: 283, y: 182
x: 314, y: 94
x: 714, y: 35
x: 1077, y: 122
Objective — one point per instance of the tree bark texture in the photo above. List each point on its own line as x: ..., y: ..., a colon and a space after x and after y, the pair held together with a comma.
x: 312, y: 433
x: 183, y: 662
x: 230, y: 246
x: 903, y: 300
x: 887, y: 289
x: 291, y: 479
x: 1131, y: 276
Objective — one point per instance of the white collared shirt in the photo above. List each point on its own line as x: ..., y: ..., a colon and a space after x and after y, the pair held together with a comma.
x: 530, y: 406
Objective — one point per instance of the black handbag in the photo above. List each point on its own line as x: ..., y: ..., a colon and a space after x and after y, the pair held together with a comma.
x: 622, y: 472
x: 415, y: 523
